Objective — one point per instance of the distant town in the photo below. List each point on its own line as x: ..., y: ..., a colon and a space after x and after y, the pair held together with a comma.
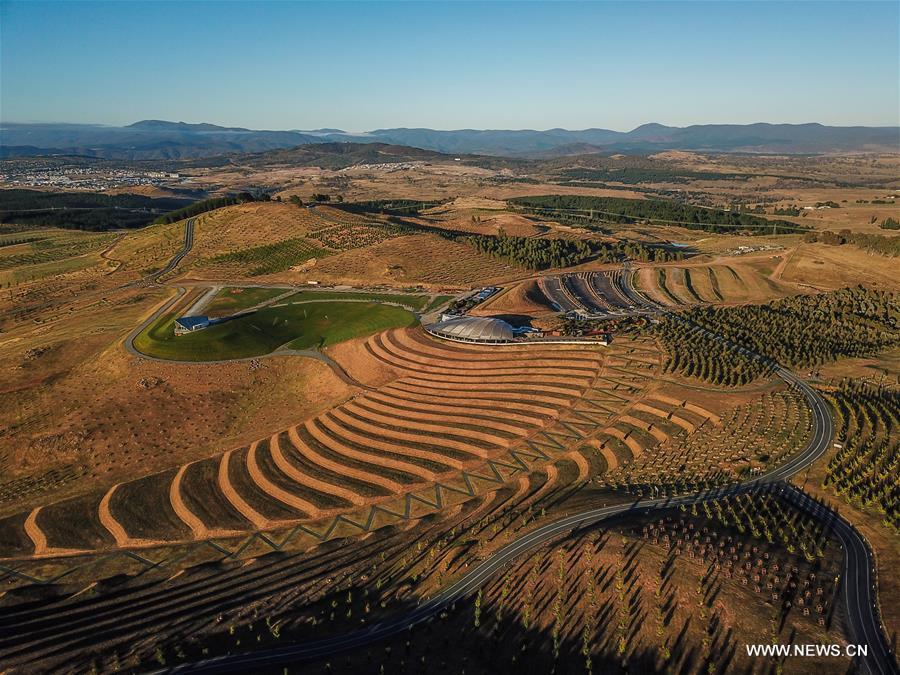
x: 82, y: 178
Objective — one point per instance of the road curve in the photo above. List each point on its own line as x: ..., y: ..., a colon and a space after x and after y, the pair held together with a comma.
x: 858, y: 585
x: 185, y: 249
x: 859, y: 591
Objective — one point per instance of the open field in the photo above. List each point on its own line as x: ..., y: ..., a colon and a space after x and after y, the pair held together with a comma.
x: 736, y: 281
x: 417, y: 302
x: 825, y: 267
x: 291, y: 326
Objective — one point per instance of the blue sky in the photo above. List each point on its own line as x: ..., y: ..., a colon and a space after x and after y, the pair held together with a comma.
x: 361, y: 66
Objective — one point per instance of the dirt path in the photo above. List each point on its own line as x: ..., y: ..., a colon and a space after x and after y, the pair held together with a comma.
x: 584, y: 469
x: 41, y: 548
x: 188, y: 517
x: 785, y: 259
x: 666, y: 415
x: 113, y: 526
x: 687, y: 405
x: 332, y: 441
x: 282, y: 462
x: 320, y: 460
x: 260, y: 522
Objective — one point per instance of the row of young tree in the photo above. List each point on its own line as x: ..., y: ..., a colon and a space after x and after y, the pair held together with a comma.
x: 804, y: 330
x: 90, y: 211
x: 539, y: 254
x: 696, y: 353
x: 667, y: 212
x: 809, y: 330
x: 864, y: 470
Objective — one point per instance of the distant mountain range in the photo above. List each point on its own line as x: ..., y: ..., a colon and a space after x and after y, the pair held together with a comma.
x: 157, y: 139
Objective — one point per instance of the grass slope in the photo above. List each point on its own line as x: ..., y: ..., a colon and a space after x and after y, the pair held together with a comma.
x: 415, y: 301
x: 231, y: 300
x: 303, y: 326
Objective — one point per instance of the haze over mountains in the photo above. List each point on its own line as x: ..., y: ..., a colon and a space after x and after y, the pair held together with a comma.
x: 157, y: 139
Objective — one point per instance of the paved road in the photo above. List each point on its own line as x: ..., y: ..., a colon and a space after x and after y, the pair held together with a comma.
x: 859, y: 585
x: 185, y: 249
x: 859, y: 591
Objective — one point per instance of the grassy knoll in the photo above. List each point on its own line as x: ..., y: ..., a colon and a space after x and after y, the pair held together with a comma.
x: 231, y: 300
x: 302, y: 326
x: 415, y: 301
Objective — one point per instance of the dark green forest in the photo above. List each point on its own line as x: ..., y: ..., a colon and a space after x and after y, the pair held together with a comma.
x: 203, y: 206
x: 636, y: 175
x: 393, y: 207
x: 540, y: 254
x: 82, y: 210
x: 628, y: 211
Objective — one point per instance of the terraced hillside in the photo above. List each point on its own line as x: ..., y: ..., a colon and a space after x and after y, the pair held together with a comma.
x: 748, y: 438
x: 711, y: 284
x: 454, y: 421
x: 596, y: 293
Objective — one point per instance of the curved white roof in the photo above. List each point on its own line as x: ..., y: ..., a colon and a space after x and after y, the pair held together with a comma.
x: 475, y: 328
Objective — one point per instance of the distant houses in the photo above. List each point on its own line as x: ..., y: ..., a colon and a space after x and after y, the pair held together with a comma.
x: 189, y: 324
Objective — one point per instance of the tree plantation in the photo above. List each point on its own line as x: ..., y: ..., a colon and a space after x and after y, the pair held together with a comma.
x: 805, y: 330
x: 541, y: 254
x: 665, y: 212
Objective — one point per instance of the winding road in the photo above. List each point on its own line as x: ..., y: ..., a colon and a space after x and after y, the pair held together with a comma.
x: 185, y: 249
x: 858, y: 585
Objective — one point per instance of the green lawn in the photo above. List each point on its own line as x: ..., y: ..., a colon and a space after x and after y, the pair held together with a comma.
x: 438, y: 301
x: 415, y: 301
x: 301, y: 326
x: 231, y: 300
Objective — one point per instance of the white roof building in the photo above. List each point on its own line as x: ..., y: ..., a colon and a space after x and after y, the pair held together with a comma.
x: 473, y: 329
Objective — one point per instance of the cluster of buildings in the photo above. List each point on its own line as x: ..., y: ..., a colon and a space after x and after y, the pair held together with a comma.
x: 80, y: 178
x: 742, y: 250
x: 385, y: 166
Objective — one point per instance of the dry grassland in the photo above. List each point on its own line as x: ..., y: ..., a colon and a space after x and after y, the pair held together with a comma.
x: 525, y: 297
x: 425, y: 259
x: 827, y: 267
x: 75, y: 397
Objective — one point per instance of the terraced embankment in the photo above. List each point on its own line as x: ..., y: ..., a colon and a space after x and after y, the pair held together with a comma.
x: 732, y: 282
x: 454, y: 421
